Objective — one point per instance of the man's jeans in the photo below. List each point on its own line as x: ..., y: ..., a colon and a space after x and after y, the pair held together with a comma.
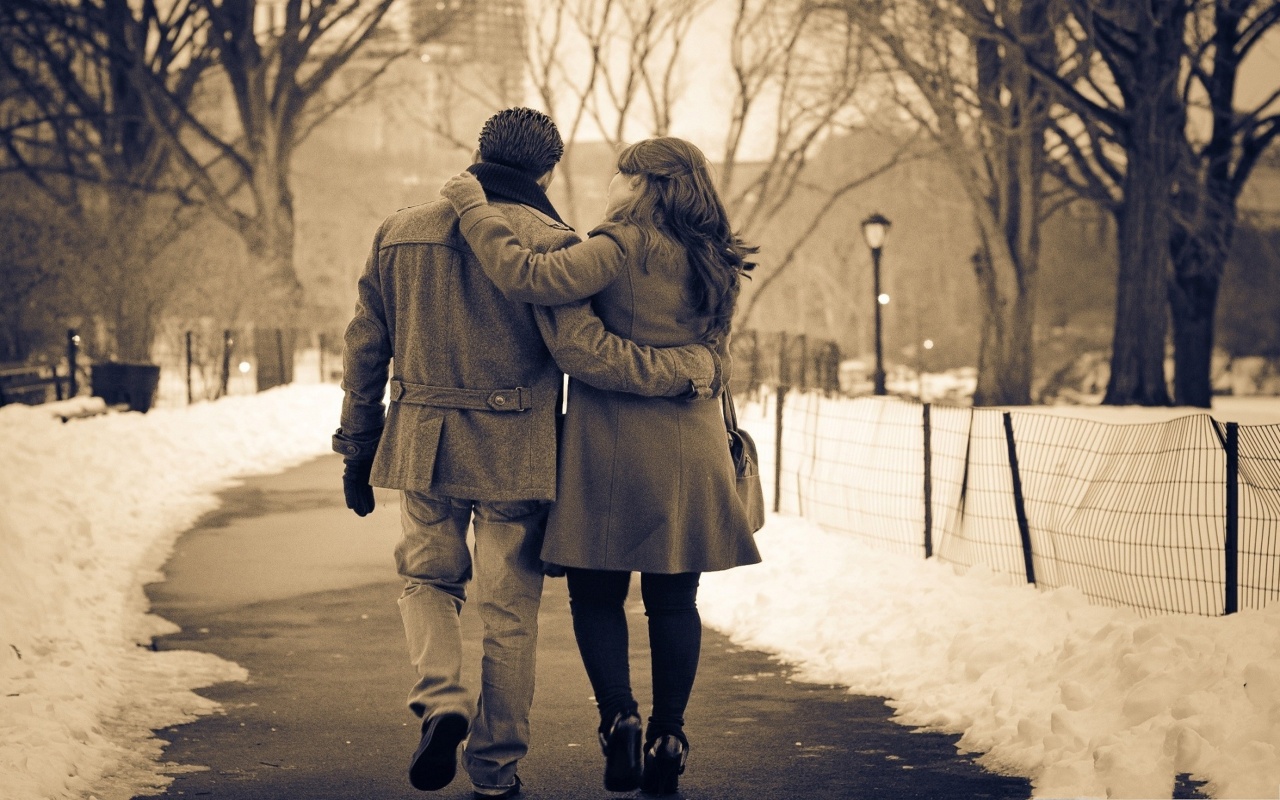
x: 435, y: 562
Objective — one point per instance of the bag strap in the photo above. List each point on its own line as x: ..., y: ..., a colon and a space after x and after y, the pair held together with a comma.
x: 726, y: 401
x: 730, y: 412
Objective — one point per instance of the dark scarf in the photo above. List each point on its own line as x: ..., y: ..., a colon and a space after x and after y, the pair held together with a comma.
x: 507, y: 183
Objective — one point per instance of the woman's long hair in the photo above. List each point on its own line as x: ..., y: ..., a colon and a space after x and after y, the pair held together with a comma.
x: 679, y: 200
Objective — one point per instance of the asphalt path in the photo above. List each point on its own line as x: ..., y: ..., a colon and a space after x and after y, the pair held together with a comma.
x: 285, y: 581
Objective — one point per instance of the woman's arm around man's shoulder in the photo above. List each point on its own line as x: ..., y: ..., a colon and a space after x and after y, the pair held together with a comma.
x: 561, y: 276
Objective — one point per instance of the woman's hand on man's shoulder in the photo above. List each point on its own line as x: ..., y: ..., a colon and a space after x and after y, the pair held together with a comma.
x: 464, y: 192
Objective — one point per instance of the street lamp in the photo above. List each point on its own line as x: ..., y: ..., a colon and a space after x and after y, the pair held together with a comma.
x: 874, y: 230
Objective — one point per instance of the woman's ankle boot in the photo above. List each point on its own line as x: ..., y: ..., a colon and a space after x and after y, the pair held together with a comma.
x: 664, y: 760
x: 620, y: 741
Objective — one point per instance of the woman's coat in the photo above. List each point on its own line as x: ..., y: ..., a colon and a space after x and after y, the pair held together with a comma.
x: 645, y: 484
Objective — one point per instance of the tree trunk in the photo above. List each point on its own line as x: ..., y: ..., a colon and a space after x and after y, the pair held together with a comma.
x: 1141, y: 324
x: 1205, y: 222
x: 280, y: 295
x: 135, y: 333
x: 270, y: 243
x: 1193, y: 299
x: 1008, y: 206
x: 1005, y: 350
x: 129, y: 288
x: 1148, y: 72
x: 1199, y: 250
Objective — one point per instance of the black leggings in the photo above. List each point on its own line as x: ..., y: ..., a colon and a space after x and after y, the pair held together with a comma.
x: 675, y: 641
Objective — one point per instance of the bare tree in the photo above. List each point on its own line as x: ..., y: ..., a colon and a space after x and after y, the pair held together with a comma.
x: 1215, y: 169
x: 278, y: 61
x: 794, y: 69
x: 610, y: 70
x: 606, y: 66
x: 74, y: 129
x: 651, y: 33
x: 1123, y: 143
x: 797, y: 68
x: 26, y: 266
x: 982, y: 103
x: 1138, y: 74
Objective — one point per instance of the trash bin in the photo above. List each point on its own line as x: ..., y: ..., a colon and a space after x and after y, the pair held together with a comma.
x: 133, y: 385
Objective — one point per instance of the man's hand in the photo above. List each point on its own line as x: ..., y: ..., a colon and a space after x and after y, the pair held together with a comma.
x: 464, y: 192
x: 355, y: 485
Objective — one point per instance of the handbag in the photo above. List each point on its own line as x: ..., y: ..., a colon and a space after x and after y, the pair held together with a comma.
x: 746, y: 465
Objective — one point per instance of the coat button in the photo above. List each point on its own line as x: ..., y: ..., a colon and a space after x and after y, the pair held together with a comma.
x: 500, y: 400
x: 352, y: 449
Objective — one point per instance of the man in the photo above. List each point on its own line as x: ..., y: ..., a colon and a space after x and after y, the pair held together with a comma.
x: 470, y: 437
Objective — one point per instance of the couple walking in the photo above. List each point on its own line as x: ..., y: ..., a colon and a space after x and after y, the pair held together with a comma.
x: 472, y: 307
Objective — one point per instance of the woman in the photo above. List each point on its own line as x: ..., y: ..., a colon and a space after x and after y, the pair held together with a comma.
x: 644, y: 484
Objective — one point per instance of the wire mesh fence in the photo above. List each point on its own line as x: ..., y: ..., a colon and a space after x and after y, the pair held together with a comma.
x: 208, y: 363
x: 1173, y: 517
x: 1257, y: 511
x: 985, y: 531
x: 1130, y: 514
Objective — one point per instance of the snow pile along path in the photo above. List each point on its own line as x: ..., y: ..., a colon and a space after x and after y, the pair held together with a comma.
x: 1084, y: 700
x: 89, y: 511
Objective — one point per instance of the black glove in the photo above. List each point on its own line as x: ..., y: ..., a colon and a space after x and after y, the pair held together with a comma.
x: 355, y: 485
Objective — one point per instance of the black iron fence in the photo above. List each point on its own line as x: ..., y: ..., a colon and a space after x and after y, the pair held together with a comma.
x: 32, y: 384
x: 774, y: 359
x: 1180, y: 516
x: 210, y: 363
x: 189, y: 366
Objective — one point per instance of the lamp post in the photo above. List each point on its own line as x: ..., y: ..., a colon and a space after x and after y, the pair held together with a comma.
x: 874, y: 230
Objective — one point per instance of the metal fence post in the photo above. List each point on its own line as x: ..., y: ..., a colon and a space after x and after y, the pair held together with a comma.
x: 73, y: 348
x: 831, y: 369
x: 928, y: 484
x: 1231, y: 545
x: 803, y: 379
x: 284, y: 373
x: 189, y: 395
x: 777, y: 447
x: 227, y: 341
x: 784, y: 368
x: 1019, y: 507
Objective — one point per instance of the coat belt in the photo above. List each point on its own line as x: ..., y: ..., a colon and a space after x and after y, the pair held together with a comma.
x: 519, y: 398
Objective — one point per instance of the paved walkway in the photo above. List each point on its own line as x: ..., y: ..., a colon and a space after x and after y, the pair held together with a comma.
x: 286, y: 582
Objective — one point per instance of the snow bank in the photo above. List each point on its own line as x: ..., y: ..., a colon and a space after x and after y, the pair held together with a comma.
x: 1084, y: 700
x: 89, y: 511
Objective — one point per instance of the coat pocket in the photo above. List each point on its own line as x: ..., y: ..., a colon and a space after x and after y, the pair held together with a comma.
x: 406, y: 456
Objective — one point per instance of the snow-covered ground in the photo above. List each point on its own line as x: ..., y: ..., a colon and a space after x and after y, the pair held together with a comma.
x: 1085, y: 700
x: 89, y: 511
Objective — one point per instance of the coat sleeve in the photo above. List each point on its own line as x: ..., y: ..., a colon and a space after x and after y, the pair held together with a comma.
x: 584, y: 349
x: 366, y: 364
x: 547, y: 279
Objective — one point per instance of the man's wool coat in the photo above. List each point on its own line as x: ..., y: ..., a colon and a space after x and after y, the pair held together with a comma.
x: 474, y: 386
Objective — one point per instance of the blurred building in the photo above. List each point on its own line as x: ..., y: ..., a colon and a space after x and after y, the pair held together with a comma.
x: 465, y: 61
x: 453, y: 63
x: 400, y: 137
